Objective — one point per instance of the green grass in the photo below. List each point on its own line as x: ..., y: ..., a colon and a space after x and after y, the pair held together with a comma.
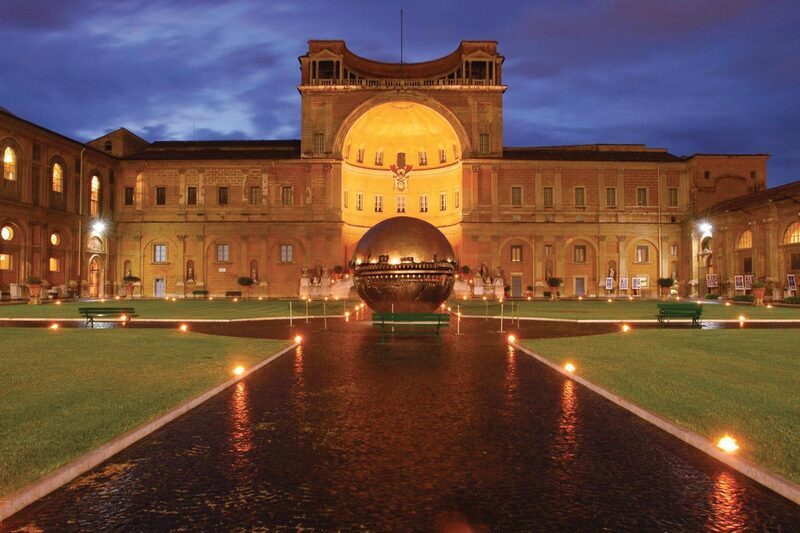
x: 188, y: 309
x: 745, y: 382
x: 63, y: 393
x: 622, y: 309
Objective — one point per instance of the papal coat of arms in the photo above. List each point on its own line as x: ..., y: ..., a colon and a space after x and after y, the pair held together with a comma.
x: 401, y: 172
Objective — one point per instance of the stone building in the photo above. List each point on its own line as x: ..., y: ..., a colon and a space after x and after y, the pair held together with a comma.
x: 378, y: 140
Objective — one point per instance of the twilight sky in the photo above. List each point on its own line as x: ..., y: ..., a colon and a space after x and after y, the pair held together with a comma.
x: 706, y: 76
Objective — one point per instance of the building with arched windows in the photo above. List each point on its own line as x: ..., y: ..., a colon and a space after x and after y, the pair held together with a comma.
x: 379, y: 140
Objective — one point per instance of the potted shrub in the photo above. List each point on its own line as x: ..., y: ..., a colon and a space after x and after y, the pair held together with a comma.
x: 246, y: 282
x: 759, y: 288
x: 529, y: 288
x: 35, y: 287
x: 338, y: 271
x: 465, y: 270
x: 554, y: 284
x: 129, y: 281
x: 665, y: 284
x: 507, y: 291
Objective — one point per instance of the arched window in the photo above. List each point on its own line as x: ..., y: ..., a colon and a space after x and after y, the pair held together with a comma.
x: 745, y: 240
x: 10, y: 164
x: 58, y: 178
x: 792, y: 235
x: 126, y: 269
x: 94, y: 197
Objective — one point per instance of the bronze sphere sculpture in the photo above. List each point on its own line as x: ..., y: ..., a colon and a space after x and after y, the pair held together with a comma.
x: 405, y: 265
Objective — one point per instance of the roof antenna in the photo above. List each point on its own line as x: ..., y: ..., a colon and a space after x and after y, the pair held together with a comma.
x: 401, y: 36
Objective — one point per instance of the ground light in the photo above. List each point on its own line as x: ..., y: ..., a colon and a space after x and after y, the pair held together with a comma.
x: 569, y: 367
x: 727, y: 444
x: 298, y: 338
x: 609, y: 300
x: 512, y: 338
x: 58, y: 303
x: 727, y: 304
x: 742, y: 318
x: 769, y: 306
x: 184, y: 328
x: 239, y: 370
x: 54, y: 327
x: 626, y: 328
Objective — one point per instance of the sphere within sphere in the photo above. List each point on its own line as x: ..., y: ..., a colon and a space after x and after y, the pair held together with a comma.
x: 405, y: 265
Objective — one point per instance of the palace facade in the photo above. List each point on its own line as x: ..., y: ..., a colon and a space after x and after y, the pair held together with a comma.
x: 377, y: 140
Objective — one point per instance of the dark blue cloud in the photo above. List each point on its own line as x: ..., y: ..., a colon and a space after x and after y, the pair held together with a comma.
x: 711, y: 76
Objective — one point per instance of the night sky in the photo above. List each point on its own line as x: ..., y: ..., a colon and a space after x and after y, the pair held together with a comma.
x: 702, y: 76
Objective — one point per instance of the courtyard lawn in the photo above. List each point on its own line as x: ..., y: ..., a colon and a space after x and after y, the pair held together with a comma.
x: 622, y: 309
x: 182, y: 309
x: 742, y: 382
x: 63, y: 393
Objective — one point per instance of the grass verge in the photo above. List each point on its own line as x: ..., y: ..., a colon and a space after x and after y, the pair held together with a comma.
x: 622, y: 309
x: 63, y: 393
x: 218, y: 308
x: 742, y: 382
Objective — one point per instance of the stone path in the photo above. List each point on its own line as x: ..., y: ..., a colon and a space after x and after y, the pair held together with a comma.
x: 345, y: 434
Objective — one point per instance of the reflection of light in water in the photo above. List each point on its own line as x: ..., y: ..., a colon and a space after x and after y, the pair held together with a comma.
x: 241, y: 430
x: 727, y: 513
x: 511, y: 375
x: 566, y: 439
x: 298, y: 365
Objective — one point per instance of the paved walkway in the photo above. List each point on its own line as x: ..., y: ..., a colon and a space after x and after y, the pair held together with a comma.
x: 345, y: 434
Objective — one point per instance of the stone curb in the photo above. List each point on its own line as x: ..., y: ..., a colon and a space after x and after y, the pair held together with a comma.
x: 786, y: 488
x: 42, y: 487
x: 638, y: 320
x: 295, y: 318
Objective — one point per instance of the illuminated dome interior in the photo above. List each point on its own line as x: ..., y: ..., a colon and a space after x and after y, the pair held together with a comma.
x: 414, y: 129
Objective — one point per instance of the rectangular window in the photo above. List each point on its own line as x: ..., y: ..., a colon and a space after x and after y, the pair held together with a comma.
x: 516, y: 196
x: 191, y: 195
x: 423, y: 203
x: 128, y: 195
x: 673, y: 197
x: 457, y: 199
x: 673, y: 249
x: 611, y: 197
x: 516, y: 253
x: 442, y: 156
x: 580, y: 197
x: 359, y: 201
x: 579, y: 254
x: 423, y: 159
x: 159, y: 253
x: 161, y: 196
x: 795, y: 261
x: 255, y: 195
x: 319, y: 143
x: 222, y: 195
x: 401, y: 204
x: 548, y: 249
x: 54, y: 265
x: 748, y: 265
x: 287, y: 253
x: 548, y: 197
x: 483, y: 143
x: 360, y: 155
x: 378, y: 203
x: 378, y: 159
x: 346, y: 199
x: 642, y: 253
x: 287, y: 196
x: 223, y: 253
x: 5, y: 262
x: 641, y: 196
x: 442, y: 201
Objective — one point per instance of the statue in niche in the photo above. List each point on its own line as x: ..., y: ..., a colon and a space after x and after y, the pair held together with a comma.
x: 612, y: 273
x: 254, y: 274
x: 484, y: 270
x: 190, y: 274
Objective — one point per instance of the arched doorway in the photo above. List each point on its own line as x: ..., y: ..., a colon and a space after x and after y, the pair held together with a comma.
x: 95, y: 278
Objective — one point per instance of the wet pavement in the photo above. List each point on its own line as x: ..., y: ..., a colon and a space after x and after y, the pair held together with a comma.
x: 346, y: 434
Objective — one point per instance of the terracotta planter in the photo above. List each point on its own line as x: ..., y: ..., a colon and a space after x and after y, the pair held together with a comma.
x: 758, y: 293
x: 664, y: 291
x: 36, y: 290
x: 129, y: 290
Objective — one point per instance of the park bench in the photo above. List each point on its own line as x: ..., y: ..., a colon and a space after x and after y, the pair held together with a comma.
x: 107, y: 313
x: 410, y: 324
x: 230, y: 294
x: 668, y: 310
x: 197, y: 293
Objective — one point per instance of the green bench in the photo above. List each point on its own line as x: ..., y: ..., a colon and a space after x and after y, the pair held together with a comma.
x: 197, y: 293
x: 233, y: 294
x: 668, y: 310
x: 108, y: 313
x: 410, y: 324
